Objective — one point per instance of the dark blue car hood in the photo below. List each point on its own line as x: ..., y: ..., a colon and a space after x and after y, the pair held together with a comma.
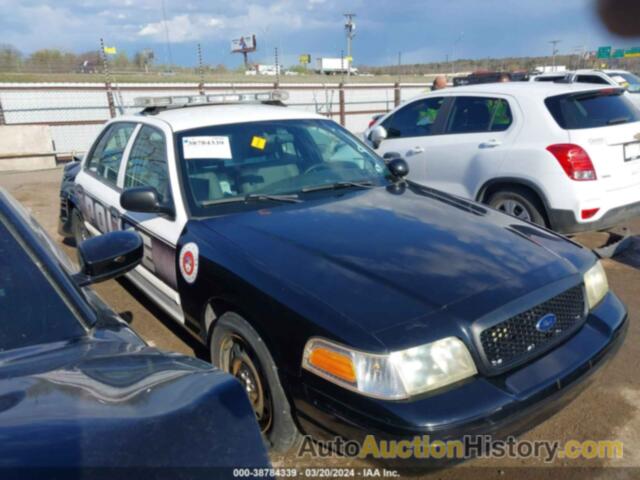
x: 383, y: 258
x: 103, y: 403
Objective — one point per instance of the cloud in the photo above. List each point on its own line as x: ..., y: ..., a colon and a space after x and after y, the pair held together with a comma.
x: 182, y: 28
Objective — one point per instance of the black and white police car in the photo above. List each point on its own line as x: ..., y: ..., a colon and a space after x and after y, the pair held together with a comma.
x: 344, y: 298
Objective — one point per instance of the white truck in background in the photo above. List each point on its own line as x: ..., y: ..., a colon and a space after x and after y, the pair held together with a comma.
x: 334, y: 66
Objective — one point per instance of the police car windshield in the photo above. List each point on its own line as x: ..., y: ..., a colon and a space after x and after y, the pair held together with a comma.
x: 226, y: 162
x: 31, y: 310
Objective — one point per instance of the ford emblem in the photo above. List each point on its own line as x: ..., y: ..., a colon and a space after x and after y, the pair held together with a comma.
x: 546, y: 322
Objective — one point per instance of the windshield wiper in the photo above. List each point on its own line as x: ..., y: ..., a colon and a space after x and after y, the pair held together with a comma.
x: 337, y: 185
x: 616, y: 121
x: 262, y: 197
x: 254, y: 197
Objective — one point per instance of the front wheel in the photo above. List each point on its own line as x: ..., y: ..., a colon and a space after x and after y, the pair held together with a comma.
x: 519, y: 203
x: 236, y: 348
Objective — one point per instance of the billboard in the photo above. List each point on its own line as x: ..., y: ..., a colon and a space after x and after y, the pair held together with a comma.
x: 304, y: 59
x: 243, y: 44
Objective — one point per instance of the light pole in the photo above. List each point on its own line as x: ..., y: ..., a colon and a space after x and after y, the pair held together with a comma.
x: 554, y: 51
x: 453, y: 53
x: 350, y: 30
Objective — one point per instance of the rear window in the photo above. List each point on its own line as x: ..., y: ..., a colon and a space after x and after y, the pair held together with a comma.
x: 595, y: 109
x: 31, y: 310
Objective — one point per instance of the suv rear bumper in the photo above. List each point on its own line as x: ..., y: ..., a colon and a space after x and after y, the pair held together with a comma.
x: 564, y: 221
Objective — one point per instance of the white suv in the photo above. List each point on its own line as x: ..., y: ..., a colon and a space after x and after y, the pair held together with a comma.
x: 615, y: 78
x: 563, y: 155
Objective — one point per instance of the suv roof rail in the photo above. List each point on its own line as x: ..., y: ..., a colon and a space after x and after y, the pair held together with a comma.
x: 152, y: 105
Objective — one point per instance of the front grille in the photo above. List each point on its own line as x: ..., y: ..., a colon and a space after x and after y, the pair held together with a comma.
x: 510, y: 342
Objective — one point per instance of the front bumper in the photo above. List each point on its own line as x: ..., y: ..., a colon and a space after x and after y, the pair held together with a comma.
x: 564, y: 221
x: 504, y: 405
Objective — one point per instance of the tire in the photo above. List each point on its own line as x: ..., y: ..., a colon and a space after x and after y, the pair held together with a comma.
x: 79, y: 231
x: 238, y: 349
x: 520, y: 203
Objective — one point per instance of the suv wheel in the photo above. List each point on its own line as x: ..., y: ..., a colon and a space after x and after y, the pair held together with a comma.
x: 519, y: 203
x: 236, y: 348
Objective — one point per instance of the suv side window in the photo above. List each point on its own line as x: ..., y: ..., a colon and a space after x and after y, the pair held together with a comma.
x: 147, y: 162
x: 479, y: 114
x: 416, y: 119
x: 591, y: 79
x: 106, y: 157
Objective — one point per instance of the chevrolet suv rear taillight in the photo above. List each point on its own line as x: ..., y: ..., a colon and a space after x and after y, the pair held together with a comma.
x: 574, y: 161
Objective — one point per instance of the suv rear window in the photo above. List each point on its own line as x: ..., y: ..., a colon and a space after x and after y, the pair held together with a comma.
x: 599, y: 108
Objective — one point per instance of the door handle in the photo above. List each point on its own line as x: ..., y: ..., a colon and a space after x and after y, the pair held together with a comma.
x: 491, y: 143
x: 415, y: 151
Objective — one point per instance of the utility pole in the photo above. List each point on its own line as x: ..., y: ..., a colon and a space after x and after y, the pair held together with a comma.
x: 350, y: 30
x: 554, y: 51
x: 453, y: 53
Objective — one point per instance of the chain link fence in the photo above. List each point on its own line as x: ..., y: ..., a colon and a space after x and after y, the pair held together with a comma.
x: 76, y: 112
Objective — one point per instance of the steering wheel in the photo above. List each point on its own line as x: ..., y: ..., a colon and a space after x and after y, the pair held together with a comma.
x: 318, y: 167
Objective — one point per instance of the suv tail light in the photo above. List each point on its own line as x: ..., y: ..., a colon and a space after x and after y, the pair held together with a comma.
x: 574, y: 161
x: 373, y: 121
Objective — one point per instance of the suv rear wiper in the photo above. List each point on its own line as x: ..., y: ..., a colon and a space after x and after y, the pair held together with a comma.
x: 335, y: 186
x: 254, y: 197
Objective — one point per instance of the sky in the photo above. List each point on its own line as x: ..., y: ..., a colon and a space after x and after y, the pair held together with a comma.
x: 423, y: 30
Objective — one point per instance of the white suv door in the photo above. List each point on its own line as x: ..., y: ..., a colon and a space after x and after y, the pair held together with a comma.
x: 477, y: 133
x: 411, y: 131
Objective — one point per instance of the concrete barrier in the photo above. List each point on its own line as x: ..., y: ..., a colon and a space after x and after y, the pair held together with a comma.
x: 26, y: 147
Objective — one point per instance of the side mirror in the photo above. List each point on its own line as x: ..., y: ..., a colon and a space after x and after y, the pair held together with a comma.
x: 377, y: 135
x: 387, y: 157
x: 144, y: 200
x: 108, y: 256
x: 398, y: 167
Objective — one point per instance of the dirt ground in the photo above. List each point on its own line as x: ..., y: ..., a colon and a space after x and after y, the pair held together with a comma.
x: 607, y: 410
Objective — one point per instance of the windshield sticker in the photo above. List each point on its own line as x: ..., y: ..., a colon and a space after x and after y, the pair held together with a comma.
x: 258, y: 142
x: 206, y: 147
x: 189, y: 262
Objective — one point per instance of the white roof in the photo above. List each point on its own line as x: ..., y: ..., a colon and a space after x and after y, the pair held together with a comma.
x: 186, y: 118
x: 529, y: 89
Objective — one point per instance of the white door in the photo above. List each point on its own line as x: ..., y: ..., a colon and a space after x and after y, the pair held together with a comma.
x: 476, y: 135
x: 410, y: 132
x: 149, y: 162
x: 97, y: 181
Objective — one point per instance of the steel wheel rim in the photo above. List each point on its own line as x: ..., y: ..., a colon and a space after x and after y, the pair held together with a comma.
x: 515, y: 209
x: 238, y: 359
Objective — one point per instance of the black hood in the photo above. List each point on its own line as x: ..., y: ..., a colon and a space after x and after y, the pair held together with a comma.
x: 383, y: 258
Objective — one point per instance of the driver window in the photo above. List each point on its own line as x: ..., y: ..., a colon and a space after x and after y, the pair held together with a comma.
x: 107, y: 155
x: 416, y: 119
x: 147, y: 162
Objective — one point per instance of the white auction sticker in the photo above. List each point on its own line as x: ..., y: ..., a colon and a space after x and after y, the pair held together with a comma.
x: 206, y: 147
x: 189, y: 262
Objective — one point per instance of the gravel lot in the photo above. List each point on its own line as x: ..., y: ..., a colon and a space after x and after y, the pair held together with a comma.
x: 608, y: 410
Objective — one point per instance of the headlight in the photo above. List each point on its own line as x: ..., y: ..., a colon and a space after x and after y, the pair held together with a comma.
x: 596, y: 284
x: 394, y: 376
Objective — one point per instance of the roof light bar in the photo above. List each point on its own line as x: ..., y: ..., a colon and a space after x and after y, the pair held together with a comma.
x: 188, y: 100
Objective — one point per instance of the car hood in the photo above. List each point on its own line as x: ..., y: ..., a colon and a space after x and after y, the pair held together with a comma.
x: 385, y: 256
x: 105, y: 403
